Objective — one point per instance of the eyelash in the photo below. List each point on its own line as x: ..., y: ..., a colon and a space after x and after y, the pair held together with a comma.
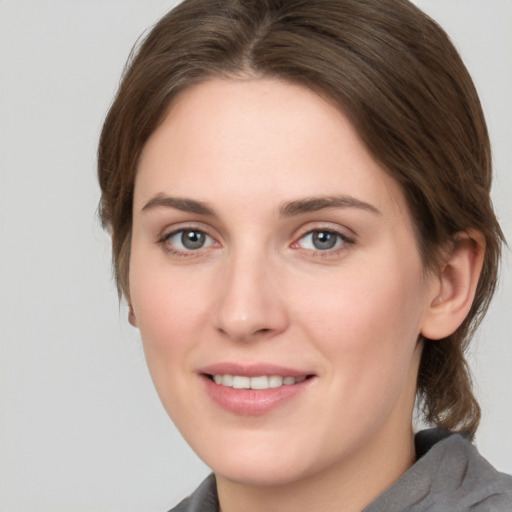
x: 168, y: 248
x: 342, y: 240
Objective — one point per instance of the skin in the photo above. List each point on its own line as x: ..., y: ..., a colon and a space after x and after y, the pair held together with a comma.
x: 259, y: 290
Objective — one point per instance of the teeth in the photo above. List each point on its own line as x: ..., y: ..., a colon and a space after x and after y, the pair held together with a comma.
x: 259, y: 382
x: 275, y: 381
x: 226, y: 380
x: 240, y: 382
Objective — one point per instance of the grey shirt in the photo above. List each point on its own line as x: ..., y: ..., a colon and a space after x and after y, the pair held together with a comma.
x: 449, y: 476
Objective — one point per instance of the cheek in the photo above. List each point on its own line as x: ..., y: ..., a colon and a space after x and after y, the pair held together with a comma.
x: 170, y: 311
x: 367, y: 322
x: 170, y: 314
x: 365, y: 302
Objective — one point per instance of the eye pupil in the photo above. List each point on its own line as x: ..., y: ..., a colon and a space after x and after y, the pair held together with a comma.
x: 323, y: 240
x: 192, y: 239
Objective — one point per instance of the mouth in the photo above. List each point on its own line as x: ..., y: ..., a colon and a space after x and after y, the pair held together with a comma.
x: 257, y: 382
x: 255, y: 389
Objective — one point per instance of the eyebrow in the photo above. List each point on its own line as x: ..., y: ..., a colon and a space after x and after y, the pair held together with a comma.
x: 178, y: 203
x: 288, y: 209
x: 314, y: 204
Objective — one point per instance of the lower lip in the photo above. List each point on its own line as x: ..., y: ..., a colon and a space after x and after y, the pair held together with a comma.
x: 252, y: 402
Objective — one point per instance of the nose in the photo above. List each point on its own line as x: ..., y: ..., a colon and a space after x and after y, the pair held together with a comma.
x: 251, y: 305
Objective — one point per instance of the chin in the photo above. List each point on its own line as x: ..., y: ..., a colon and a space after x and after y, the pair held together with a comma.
x: 261, y: 460
x: 257, y: 474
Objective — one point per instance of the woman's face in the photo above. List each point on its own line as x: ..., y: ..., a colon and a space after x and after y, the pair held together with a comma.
x: 270, y: 251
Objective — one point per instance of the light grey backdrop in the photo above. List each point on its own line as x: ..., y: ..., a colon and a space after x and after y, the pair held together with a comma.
x: 81, y: 428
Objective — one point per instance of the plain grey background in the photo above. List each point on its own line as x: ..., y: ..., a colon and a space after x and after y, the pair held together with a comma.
x: 81, y: 427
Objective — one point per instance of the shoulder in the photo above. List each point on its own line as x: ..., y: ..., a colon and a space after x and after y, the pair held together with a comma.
x: 482, y: 488
x: 450, y: 476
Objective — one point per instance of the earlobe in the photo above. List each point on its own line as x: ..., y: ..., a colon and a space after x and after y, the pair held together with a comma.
x: 455, y: 286
x: 131, y: 316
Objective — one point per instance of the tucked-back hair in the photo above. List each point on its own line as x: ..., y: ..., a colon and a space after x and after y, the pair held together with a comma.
x: 391, y: 70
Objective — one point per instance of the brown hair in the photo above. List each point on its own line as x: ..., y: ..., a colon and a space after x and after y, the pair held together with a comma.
x: 392, y: 70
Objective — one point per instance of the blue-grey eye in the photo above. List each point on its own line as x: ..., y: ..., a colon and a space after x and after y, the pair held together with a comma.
x: 189, y: 240
x: 321, y: 240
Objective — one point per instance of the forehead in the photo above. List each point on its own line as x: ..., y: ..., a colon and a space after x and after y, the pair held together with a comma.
x: 261, y: 137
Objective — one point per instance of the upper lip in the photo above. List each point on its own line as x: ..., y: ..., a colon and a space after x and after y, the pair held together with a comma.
x: 252, y: 370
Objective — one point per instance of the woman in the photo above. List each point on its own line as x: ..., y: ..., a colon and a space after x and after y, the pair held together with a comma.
x: 298, y: 196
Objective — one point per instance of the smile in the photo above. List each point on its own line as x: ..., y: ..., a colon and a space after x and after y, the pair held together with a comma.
x: 255, y: 389
x: 257, y: 382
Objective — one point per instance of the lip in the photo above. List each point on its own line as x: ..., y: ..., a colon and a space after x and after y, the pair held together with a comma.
x: 253, y: 370
x: 253, y: 402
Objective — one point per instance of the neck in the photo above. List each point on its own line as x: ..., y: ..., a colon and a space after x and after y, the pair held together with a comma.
x: 349, y: 486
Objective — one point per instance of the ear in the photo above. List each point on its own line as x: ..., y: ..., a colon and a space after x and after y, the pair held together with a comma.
x: 131, y: 316
x: 454, y: 286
